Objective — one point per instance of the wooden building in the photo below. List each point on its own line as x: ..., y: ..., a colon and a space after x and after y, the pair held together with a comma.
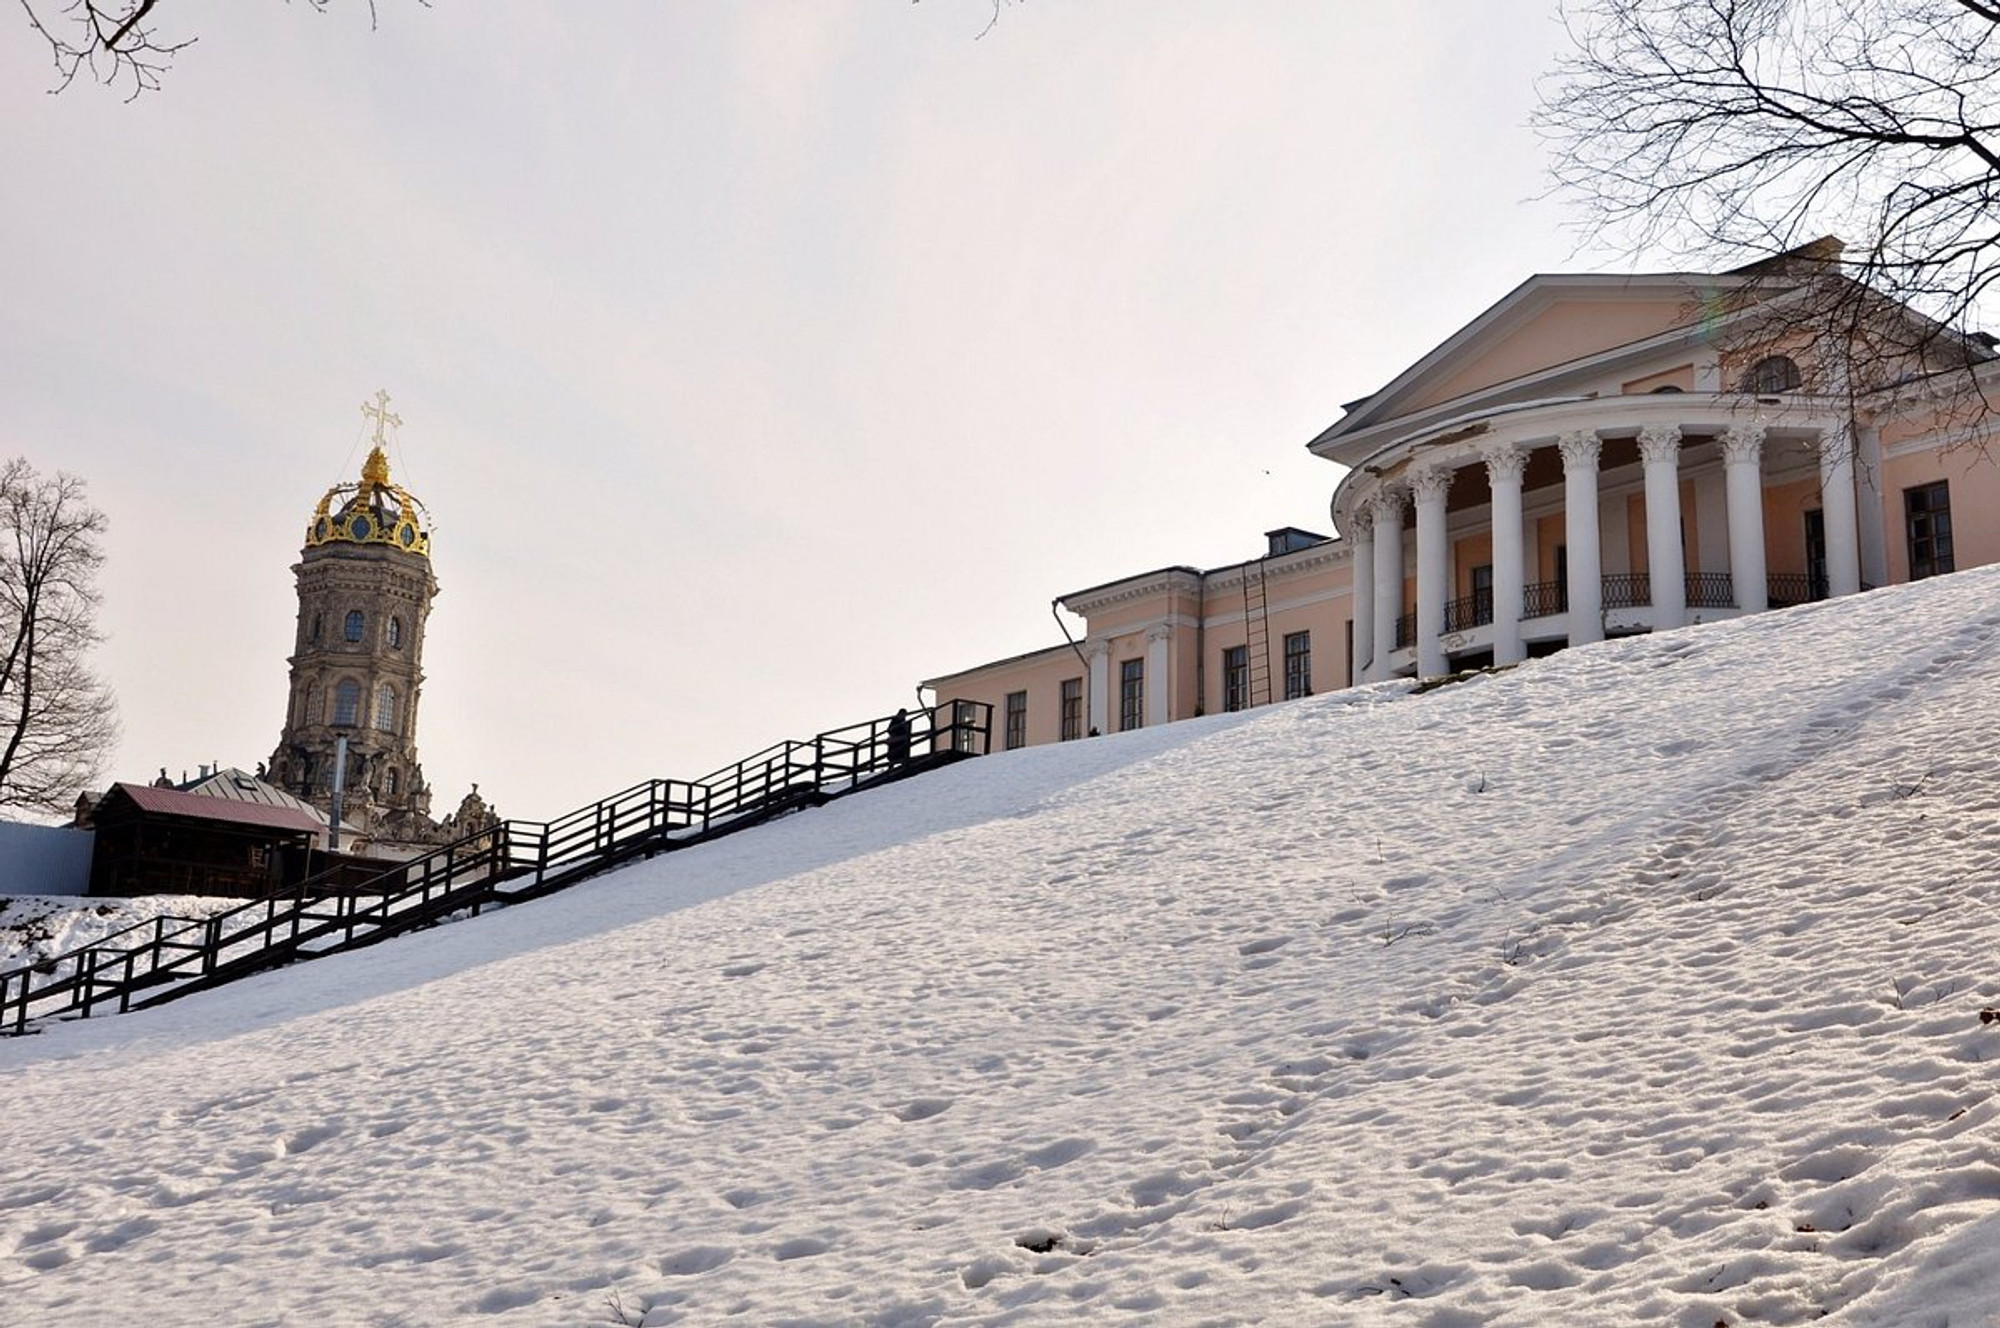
x: 163, y: 841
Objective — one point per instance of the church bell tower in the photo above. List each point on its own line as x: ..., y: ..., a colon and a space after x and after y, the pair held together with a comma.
x: 365, y: 590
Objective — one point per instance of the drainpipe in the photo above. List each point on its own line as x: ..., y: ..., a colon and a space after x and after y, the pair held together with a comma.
x: 1089, y: 721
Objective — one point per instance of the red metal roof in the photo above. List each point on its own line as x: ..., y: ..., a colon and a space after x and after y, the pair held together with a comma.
x: 197, y: 807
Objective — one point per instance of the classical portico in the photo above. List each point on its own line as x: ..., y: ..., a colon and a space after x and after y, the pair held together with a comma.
x: 1524, y: 533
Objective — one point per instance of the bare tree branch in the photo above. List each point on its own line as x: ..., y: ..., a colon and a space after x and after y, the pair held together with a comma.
x: 114, y: 43
x: 1724, y: 129
x: 56, y: 717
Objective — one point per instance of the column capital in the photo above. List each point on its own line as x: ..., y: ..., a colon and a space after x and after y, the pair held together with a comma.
x: 1580, y: 449
x: 1388, y: 503
x: 1660, y: 443
x: 1157, y: 633
x: 1361, y: 522
x: 1430, y: 484
x: 1742, y: 444
x: 1504, y: 461
x: 1095, y: 649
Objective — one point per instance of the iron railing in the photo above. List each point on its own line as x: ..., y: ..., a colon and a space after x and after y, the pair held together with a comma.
x: 1627, y: 590
x: 1544, y: 599
x: 1468, y: 612
x: 169, y: 956
x: 1789, y: 588
x: 1710, y: 590
x: 1406, y: 631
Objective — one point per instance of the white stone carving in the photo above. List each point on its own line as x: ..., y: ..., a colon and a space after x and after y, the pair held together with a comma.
x: 1660, y: 443
x: 1504, y: 462
x: 1742, y: 444
x: 1430, y: 484
x: 1580, y: 450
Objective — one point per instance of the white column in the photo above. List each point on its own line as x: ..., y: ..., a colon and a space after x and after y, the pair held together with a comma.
x: 1586, y: 576
x: 1504, y: 464
x: 1743, y: 480
x: 1159, y: 689
x: 1868, y: 477
x: 1429, y: 485
x: 1388, y: 577
x: 1666, y: 566
x: 1837, y: 511
x: 1361, y: 576
x: 1098, y: 653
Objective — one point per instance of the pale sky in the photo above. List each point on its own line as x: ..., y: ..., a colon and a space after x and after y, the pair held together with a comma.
x: 755, y: 360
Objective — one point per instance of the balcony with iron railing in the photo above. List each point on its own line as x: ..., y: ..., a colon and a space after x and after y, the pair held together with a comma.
x: 1469, y: 611
x: 1620, y: 590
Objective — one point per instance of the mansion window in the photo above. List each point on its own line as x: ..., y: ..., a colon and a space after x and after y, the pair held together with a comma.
x: 347, y: 703
x: 1773, y: 373
x: 1298, y: 665
x: 1235, y: 677
x: 1017, y: 720
x: 1072, y: 709
x: 1132, y: 694
x: 1927, y: 521
x: 354, y: 624
x: 385, y: 709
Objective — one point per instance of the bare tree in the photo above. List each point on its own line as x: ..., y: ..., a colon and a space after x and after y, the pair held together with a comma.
x: 116, y: 42
x: 56, y: 718
x: 1703, y: 128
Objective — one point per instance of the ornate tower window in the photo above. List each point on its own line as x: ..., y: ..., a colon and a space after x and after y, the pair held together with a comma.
x: 395, y: 633
x: 347, y: 703
x: 355, y: 623
x: 315, y: 628
x: 391, y: 783
x: 385, y: 708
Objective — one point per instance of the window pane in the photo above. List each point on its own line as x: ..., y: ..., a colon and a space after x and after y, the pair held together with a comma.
x: 1072, y: 709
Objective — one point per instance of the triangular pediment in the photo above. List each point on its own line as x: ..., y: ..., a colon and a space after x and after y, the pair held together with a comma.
x: 1542, y: 326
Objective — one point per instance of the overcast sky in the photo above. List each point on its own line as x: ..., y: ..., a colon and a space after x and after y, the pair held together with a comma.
x: 756, y: 360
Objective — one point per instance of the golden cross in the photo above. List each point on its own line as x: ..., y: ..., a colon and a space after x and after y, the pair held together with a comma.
x: 379, y: 412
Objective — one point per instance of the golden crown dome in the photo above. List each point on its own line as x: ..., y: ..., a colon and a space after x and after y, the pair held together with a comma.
x: 376, y: 510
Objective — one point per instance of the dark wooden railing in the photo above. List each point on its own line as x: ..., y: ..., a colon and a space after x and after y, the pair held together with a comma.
x: 167, y: 957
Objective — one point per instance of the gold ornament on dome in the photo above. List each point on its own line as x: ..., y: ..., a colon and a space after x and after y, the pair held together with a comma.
x: 376, y: 510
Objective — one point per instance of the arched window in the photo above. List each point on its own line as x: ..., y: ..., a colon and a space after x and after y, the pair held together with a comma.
x: 1665, y: 389
x: 347, y: 703
x: 385, y: 708
x: 395, y: 633
x: 1773, y: 373
x: 354, y: 624
x: 391, y: 783
x: 309, y: 704
x: 315, y: 627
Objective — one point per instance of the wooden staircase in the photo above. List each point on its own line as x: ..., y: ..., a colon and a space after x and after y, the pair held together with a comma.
x: 170, y: 957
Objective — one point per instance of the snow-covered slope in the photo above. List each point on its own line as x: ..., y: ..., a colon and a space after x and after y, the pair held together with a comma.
x: 1639, y: 985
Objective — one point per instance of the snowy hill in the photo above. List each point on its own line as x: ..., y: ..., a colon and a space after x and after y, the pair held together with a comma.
x: 1639, y: 985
